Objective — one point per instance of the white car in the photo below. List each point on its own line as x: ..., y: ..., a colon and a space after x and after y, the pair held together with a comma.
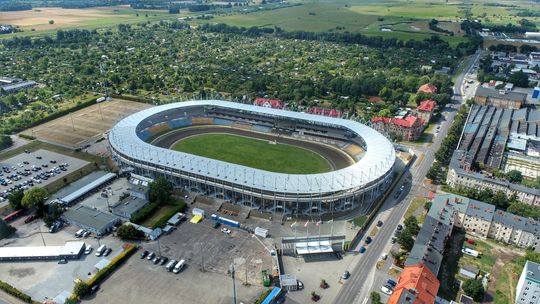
x: 386, y: 290
x: 225, y: 230
x: 88, y: 249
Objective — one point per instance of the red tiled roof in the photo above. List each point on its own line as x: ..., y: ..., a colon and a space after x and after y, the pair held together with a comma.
x: 418, y: 280
x: 428, y: 88
x: 375, y: 99
x: 427, y: 105
x: 325, y: 112
x: 406, y: 122
x: 269, y: 103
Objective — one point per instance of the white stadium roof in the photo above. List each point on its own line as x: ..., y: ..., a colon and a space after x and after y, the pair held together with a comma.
x: 376, y: 162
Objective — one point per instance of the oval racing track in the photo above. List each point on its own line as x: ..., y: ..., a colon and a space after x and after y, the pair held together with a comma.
x: 335, y: 157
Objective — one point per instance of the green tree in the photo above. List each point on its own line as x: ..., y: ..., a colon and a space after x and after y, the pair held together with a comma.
x: 405, y: 239
x: 411, y: 224
x: 81, y: 288
x: 160, y: 190
x: 5, y: 229
x: 434, y: 171
x: 15, y: 199
x: 35, y: 198
x: 129, y: 232
x: 520, y: 79
x: 474, y: 289
x: 427, y: 206
x: 375, y: 298
x: 514, y: 176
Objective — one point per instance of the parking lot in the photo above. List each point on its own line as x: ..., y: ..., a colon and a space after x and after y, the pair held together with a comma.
x: 47, y: 279
x: 140, y: 281
x: 39, y: 168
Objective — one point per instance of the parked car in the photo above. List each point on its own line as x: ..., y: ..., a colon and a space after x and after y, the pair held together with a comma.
x: 384, y: 256
x: 107, y: 252
x: 345, y: 275
x: 226, y: 230
x: 391, y: 283
x: 386, y: 290
x: 362, y: 249
x: 150, y: 256
x: 86, y: 234
x: 379, y: 223
x: 62, y: 261
x: 144, y: 254
x: 163, y: 261
x: 399, y: 227
x: 156, y: 260
x: 300, y: 285
x: 88, y: 249
x: 94, y: 289
x: 368, y: 240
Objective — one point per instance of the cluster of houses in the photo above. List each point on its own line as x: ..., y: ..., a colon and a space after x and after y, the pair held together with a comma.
x: 418, y: 282
x: 528, y: 64
x: 409, y: 125
x: 278, y: 104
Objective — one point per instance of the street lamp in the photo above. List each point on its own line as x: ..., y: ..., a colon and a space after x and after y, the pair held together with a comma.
x: 231, y: 269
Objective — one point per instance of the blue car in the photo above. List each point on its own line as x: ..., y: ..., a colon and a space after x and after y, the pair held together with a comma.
x: 362, y: 249
x: 368, y: 240
x: 391, y: 283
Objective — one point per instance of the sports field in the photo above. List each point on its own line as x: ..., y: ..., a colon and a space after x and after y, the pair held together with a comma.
x: 254, y: 153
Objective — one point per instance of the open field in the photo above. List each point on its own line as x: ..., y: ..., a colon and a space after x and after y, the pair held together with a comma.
x: 38, y: 18
x: 254, y: 153
x: 73, y: 130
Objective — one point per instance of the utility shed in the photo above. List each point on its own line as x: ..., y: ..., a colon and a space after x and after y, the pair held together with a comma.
x: 288, y: 282
x: 469, y: 271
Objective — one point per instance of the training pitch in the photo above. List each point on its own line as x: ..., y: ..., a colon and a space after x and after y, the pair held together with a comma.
x: 254, y: 153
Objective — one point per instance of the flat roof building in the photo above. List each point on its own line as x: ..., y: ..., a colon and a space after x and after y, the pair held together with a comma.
x: 128, y: 206
x: 93, y: 220
x: 71, y: 250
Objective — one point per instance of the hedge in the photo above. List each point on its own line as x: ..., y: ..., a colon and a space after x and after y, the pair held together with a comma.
x: 179, y: 206
x: 132, y: 98
x: 115, y: 263
x: 144, y: 213
x: 263, y: 296
x: 15, y: 292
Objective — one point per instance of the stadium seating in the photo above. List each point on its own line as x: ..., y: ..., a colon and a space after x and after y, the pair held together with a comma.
x: 179, y: 123
x: 202, y: 121
x: 259, y: 128
x: 223, y: 122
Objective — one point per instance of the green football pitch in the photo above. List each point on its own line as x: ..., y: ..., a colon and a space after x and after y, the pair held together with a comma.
x: 254, y: 153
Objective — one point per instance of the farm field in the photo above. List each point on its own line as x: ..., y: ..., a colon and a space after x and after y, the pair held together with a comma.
x: 75, y: 129
x: 89, y: 18
x: 254, y: 153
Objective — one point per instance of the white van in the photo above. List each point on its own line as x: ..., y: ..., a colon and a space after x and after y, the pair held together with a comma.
x: 100, y: 250
x: 79, y: 233
x: 170, y: 265
x: 179, y: 266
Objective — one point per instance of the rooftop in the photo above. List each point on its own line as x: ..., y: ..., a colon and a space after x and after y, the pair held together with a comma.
x: 89, y: 217
x: 416, y: 281
x: 428, y: 88
x: 427, y: 105
x: 491, y: 93
x: 532, y: 271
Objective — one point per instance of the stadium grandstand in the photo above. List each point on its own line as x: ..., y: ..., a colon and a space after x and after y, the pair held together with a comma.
x: 354, y: 186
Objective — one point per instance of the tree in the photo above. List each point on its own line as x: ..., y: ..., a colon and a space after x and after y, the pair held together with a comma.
x: 5, y: 229
x: 514, y: 176
x: 500, y: 200
x: 35, y: 198
x: 160, y: 190
x: 405, y: 239
x: 434, y: 171
x: 15, y: 199
x: 427, y: 206
x: 474, y: 289
x: 411, y: 224
x: 81, y: 288
x: 375, y: 298
x: 519, y: 79
x: 129, y: 232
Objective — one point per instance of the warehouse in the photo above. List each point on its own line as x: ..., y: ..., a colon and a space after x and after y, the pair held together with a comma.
x: 71, y: 251
x: 93, y: 220
x: 73, y: 197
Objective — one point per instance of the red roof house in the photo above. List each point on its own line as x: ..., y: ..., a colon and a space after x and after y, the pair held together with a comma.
x: 416, y: 285
x: 375, y: 99
x: 269, y: 103
x: 325, y: 112
x: 425, y: 109
x: 428, y: 88
x: 410, y: 127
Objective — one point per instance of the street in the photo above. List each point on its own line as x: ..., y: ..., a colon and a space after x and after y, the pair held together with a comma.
x: 364, y: 277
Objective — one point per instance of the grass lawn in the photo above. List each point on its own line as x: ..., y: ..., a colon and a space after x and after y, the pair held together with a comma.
x: 151, y: 220
x: 254, y: 153
x: 485, y: 262
x: 416, y: 203
x: 506, y: 283
x: 360, y: 221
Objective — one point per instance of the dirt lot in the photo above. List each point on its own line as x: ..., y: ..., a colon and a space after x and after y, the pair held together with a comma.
x: 139, y: 281
x: 86, y: 125
x: 46, y: 279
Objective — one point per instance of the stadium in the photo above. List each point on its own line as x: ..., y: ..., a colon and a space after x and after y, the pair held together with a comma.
x: 267, y: 159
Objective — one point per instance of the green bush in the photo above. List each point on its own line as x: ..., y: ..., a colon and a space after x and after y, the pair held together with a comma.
x: 29, y: 137
x: 15, y: 292
x: 179, y: 206
x: 144, y: 213
x: 115, y: 263
x: 81, y: 288
x: 129, y: 232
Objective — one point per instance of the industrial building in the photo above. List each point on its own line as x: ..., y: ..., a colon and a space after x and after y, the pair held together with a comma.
x: 95, y: 221
x: 70, y: 251
x: 499, y: 98
x: 12, y: 85
x: 86, y: 189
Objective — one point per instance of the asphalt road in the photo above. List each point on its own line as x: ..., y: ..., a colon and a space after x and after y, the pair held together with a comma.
x: 363, y: 276
x: 336, y: 158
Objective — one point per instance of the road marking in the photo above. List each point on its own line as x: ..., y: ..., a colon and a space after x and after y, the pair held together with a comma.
x: 365, y: 300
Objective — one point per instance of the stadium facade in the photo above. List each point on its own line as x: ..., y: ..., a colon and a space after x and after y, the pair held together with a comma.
x: 350, y: 188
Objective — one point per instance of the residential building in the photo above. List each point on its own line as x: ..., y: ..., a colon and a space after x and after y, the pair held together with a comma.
x: 269, y: 103
x: 325, y: 112
x: 409, y: 128
x: 425, y: 110
x: 534, y: 59
x: 416, y: 285
x: 499, y: 98
x: 528, y: 287
x: 428, y: 88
